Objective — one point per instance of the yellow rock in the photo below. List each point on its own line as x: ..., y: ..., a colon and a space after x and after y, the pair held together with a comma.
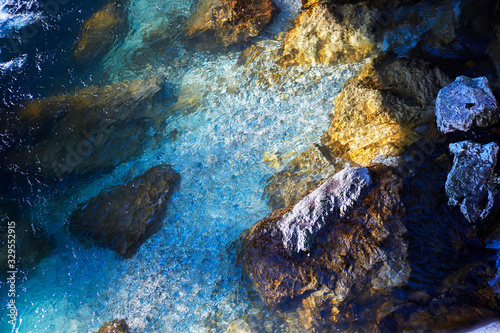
x: 385, y: 108
x: 224, y: 22
x: 326, y: 35
x: 101, y: 31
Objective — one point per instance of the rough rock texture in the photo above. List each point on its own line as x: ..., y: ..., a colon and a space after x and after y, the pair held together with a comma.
x: 385, y: 108
x: 361, y: 253
x: 303, y: 174
x: 467, y: 182
x: 32, y: 243
x: 325, y: 35
x: 225, y: 22
x: 465, y: 297
x: 466, y: 103
x: 101, y: 31
x: 330, y: 201
x: 84, y: 132
x: 115, y: 326
x: 123, y: 218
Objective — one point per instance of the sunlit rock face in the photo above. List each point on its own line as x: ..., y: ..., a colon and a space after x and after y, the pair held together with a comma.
x: 123, y: 218
x: 89, y: 130
x: 326, y: 35
x: 330, y: 201
x: 359, y: 254
x: 115, y: 326
x: 385, y: 108
x: 32, y: 244
x: 225, y: 22
x: 466, y: 103
x: 468, y: 181
x: 101, y: 31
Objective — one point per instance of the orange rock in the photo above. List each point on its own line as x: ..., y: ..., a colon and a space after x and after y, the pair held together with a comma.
x: 225, y: 22
x: 385, y: 108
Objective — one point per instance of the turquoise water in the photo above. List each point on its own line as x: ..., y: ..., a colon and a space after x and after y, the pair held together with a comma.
x: 228, y: 132
x: 184, y: 277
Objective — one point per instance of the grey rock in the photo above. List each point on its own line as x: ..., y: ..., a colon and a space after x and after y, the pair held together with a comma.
x: 332, y: 199
x: 468, y: 181
x: 465, y: 103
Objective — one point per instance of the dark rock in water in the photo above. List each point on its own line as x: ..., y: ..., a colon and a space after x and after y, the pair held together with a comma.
x: 87, y: 131
x: 225, y: 22
x: 465, y: 297
x: 114, y: 326
x: 360, y: 253
x: 466, y: 103
x: 123, y: 218
x: 32, y: 244
x: 494, y: 53
x: 330, y: 201
x: 101, y: 31
x: 468, y: 180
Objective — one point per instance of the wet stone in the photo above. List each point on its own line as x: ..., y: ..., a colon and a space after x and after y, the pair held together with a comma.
x: 337, y: 262
x: 101, y: 31
x: 114, y: 326
x: 467, y: 184
x: 465, y: 103
x: 125, y: 217
x: 331, y: 200
x: 224, y: 22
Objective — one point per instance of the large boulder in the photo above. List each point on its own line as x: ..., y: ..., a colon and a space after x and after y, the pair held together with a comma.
x: 360, y: 253
x: 85, y: 132
x: 386, y: 107
x: 101, y: 31
x: 466, y: 103
x: 123, y: 218
x: 468, y: 183
x: 225, y: 22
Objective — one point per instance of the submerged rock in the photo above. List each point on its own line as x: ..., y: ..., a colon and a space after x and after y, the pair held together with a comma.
x: 114, y: 326
x: 359, y: 253
x: 466, y: 103
x: 101, y: 31
x: 225, y: 22
x: 468, y: 180
x: 385, y: 108
x: 330, y: 201
x: 303, y: 174
x: 79, y: 133
x: 123, y: 218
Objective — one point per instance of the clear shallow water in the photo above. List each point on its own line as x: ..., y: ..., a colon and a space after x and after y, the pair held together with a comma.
x: 183, y: 278
x: 228, y: 121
